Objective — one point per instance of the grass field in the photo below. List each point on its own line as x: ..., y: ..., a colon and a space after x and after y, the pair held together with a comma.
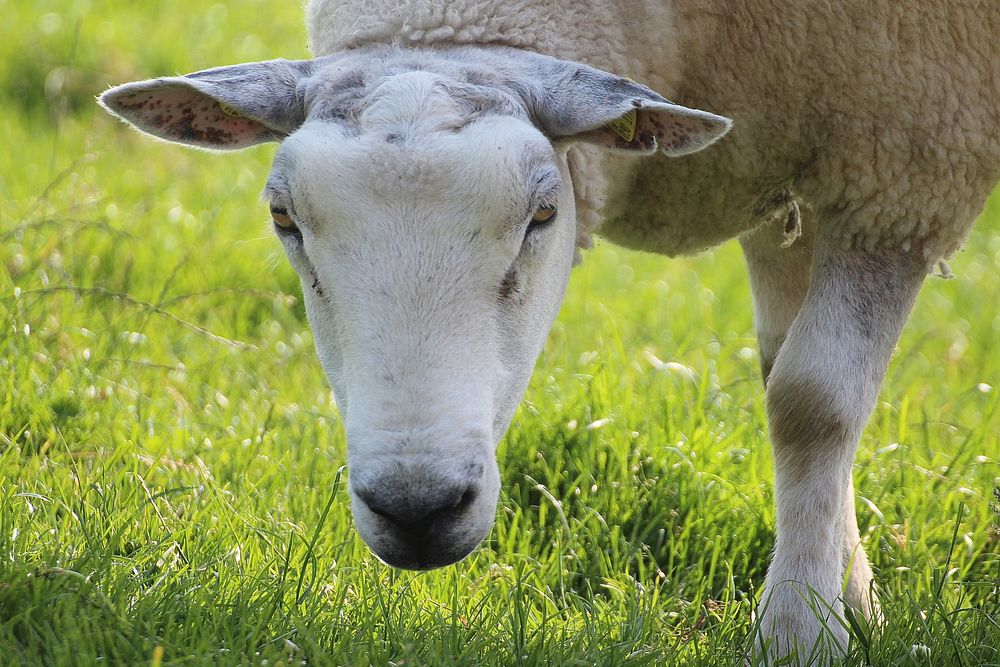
x: 172, y: 481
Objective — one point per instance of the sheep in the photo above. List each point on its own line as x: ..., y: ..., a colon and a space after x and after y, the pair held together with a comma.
x: 442, y: 163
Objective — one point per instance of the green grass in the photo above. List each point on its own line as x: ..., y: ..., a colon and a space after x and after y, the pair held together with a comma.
x: 172, y: 467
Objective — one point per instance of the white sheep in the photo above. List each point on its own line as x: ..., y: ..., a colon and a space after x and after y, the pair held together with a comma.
x: 426, y: 151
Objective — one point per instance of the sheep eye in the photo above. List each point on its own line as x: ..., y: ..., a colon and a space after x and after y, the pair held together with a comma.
x: 281, y: 217
x: 544, y: 215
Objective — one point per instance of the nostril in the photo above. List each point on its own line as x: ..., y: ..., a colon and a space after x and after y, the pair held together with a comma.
x: 381, y: 512
x: 466, y: 500
x: 372, y: 502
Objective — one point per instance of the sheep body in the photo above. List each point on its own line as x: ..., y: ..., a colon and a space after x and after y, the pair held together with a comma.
x: 879, y: 116
x: 865, y: 143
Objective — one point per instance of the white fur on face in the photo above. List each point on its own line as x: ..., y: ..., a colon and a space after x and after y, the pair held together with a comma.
x: 428, y: 303
x: 404, y: 189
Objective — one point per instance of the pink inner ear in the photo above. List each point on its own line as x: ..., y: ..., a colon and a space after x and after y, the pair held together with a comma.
x: 185, y: 115
x: 676, y: 134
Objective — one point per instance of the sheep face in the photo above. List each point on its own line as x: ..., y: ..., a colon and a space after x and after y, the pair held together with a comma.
x: 432, y: 268
x: 424, y: 200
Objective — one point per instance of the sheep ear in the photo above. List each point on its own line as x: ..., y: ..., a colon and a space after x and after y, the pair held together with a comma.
x: 225, y: 108
x: 581, y: 103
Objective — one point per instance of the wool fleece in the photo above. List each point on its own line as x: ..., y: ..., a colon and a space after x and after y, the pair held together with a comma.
x: 879, y: 119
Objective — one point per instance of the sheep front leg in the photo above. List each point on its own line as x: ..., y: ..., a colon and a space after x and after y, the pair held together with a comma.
x: 820, y: 394
x: 779, y: 278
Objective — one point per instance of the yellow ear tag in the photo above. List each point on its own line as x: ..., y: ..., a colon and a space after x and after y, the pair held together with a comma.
x: 625, y: 126
x: 230, y: 110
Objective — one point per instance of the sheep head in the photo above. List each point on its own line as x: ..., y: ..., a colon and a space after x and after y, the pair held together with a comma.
x: 423, y: 197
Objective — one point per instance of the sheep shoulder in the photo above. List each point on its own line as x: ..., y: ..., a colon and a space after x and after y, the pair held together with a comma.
x: 878, y: 115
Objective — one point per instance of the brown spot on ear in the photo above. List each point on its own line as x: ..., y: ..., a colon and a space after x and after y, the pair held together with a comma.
x: 179, y: 116
x: 132, y: 102
x: 680, y: 142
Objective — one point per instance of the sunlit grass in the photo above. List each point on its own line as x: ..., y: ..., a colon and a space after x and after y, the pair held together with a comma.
x: 172, y: 467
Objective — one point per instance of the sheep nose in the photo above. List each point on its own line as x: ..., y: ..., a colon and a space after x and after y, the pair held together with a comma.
x: 416, y: 516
